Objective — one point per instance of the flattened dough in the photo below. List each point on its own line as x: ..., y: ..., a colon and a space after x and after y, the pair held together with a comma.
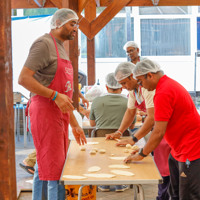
x: 92, y: 143
x: 100, y: 175
x: 121, y: 172
x: 94, y: 169
x: 117, y: 158
x: 74, y: 177
x: 119, y: 166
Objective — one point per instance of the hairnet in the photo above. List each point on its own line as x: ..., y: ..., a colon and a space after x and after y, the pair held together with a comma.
x: 124, y: 70
x: 146, y: 66
x: 61, y: 17
x: 130, y: 44
x: 111, y: 81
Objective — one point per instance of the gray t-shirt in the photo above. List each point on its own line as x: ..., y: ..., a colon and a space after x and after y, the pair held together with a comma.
x: 42, y: 58
x: 108, y: 111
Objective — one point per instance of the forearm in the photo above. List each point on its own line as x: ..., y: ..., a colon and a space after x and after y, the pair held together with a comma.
x: 73, y: 122
x: 146, y: 128
x: 127, y: 119
x: 156, y: 137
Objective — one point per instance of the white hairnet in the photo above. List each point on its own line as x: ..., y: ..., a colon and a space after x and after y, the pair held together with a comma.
x: 130, y: 44
x: 124, y: 70
x: 111, y: 81
x: 61, y: 17
x: 146, y: 66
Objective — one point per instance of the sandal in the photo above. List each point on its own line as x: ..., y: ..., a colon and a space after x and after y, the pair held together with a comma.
x: 28, y: 169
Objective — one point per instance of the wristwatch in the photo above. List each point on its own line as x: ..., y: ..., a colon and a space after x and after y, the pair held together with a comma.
x: 134, y: 138
x: 141, y: 153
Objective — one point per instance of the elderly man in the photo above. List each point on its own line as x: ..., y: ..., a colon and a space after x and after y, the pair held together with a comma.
x: 177, y: 120
x: 132, y: 51
x: 140, y: 98
x: 48, y: 74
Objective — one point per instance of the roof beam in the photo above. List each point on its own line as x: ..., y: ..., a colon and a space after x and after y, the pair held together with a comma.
x: 161, y: 3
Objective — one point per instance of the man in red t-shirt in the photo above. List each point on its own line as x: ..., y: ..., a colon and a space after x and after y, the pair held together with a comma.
x: 177, y: 120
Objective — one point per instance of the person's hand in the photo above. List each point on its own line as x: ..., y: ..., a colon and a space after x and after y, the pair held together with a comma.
x: 133, y: 157
x: 64, y: 103
x: 124, y: 142
x: 85, y: 102
x: 85, y: 113
x: 113, y: 136
x: 79, y: 135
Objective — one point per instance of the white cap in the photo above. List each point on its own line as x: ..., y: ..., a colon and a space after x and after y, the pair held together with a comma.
x: 130, y: 44
x: 145, y: 66
x: 111, y: 81
x: 124, y: 70
x: 61, y: 17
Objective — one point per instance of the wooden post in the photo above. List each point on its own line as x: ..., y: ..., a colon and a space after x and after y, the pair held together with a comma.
x: 90, y: 14
x: 73, y: 52
x: 7, y: 144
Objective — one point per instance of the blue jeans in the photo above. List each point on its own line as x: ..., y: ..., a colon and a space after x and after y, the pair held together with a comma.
x: 51, y: 189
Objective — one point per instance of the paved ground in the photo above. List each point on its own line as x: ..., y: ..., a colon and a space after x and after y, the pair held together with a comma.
x: 24, y: 187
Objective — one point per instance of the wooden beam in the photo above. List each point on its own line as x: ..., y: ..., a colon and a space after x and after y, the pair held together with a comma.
x: 16, y: 4
x: 106, y: 16
x: 90, y: 15
x: 73, y: 55
x: 105, y: 3
x: 7, y: 138
x: 81, y: 5
x: 84, y: 25
x: 57, y: 3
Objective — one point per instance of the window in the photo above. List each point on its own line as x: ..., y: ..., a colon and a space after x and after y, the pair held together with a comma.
x: 110, y: 40
x: 165, y: 37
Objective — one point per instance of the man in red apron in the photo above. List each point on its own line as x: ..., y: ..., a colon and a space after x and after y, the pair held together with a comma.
x: 142, y: 99
x: 48, y: 74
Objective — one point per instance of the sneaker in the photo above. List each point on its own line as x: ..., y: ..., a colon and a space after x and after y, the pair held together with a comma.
x: 121, y: 188
x: 104, y: 188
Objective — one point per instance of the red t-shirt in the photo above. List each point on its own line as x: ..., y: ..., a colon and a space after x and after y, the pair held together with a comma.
x: 174, y: 104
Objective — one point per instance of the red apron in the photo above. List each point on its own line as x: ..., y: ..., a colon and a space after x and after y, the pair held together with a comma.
x: 161, y: 153
x: 49, y: 126
x: 141, y: 106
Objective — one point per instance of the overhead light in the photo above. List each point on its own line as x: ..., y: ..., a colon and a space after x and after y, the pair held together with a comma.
x: 155, y: 2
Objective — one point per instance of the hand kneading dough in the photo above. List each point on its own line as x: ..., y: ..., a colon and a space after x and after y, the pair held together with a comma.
x: 100, y: 175
x: 121, y: 172
x: 128, y: 146
x: 119, y: 166
x: 102, y: 151
x: 74, y: 177
x: 94, y: 169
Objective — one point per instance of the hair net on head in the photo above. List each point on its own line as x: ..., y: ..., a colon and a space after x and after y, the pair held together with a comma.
x: 146, y: 66
x: 61, y: 17
x: 111, y: 81
x: 124, y: 70
x: 130, y: 44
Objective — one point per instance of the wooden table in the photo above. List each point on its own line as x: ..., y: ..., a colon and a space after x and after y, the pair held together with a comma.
x: 78, y: 162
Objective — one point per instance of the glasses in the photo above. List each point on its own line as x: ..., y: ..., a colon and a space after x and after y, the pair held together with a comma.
x: 140, y: 81
x: 130, y: 51
x: 75, y: 25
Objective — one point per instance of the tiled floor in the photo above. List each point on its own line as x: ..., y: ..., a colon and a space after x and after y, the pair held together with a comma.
x: 24, y: 186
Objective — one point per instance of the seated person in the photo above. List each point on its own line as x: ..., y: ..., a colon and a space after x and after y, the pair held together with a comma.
x: 108, y: 110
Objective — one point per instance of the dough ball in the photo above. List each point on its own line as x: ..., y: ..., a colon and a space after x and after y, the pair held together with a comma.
x: 112, y: 154
x: 92, y: 152
x: 102, y: 151
x: 82, y: 148
x: 95, y: 149
x: 128, y: 146
x: 134, y: 147
x: 126, y: 151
